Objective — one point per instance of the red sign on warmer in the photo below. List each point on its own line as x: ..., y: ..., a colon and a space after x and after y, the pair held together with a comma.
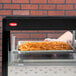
x: 13, y: 24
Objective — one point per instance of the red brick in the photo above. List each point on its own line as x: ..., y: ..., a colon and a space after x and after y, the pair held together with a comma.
x: 0, y: 30
x: 20, y: 1
x: 39, y: 13
x: 38, y: 35
x: 21, y: 35
x: 0, y: 24
x: 0, y: 6
x: 0, y: 64
x: 65, y: 7
x: 0, y: 74
x: 5, y: 1
x: 5, y: 12
x: 15, y: 32
x: 1, y: 18
x: 0, y: 42
x: 11, y: 6
x: 56, y: 1
x: 20, y: 12
x: 71, y: 13
x: 0, y: 36
x: 0, y: 53
x: 75, y: 7
x: 38, y: 1
x: 53, y: 35
x: 70, y: 1
x: 47, y: 7
x: 0, y: 48
x: 29, y: 6
x: 0, y: 70
x: 0, y: 59
x: 56, y: 13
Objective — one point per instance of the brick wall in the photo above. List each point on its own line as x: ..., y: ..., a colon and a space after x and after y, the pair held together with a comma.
x: 35, y: 7
x: 36, y: 35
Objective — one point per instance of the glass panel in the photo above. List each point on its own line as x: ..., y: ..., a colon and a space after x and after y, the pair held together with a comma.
x: 40, y: 44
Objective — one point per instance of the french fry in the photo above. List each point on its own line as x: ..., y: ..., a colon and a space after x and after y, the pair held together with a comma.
x: 39, y: 46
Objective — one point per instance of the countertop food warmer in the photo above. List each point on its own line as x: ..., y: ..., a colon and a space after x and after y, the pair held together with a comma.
x: 26, y: 29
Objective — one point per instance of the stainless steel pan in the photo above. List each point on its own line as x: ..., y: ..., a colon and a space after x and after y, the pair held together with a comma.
x: 42, y: 52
